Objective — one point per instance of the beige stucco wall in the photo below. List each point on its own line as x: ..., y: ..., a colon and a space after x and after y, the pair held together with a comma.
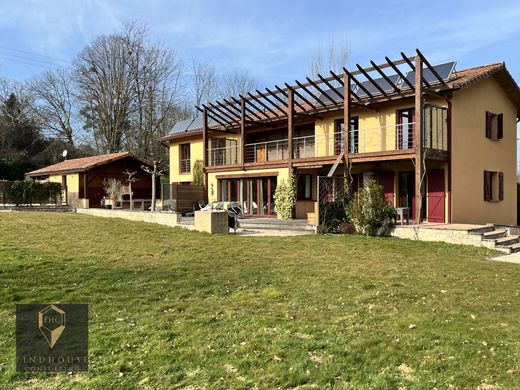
x: 72, y: 186
x: 472, y: 153
x: 195, y: 154
x: 377, y: 129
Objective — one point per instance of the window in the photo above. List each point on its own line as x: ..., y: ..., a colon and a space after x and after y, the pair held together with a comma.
x: 494, y: 126
x: 304, y: 187
x: 185, y: 163
x: 339, y: 134
x: 405, y: 128
x: 493, y: 186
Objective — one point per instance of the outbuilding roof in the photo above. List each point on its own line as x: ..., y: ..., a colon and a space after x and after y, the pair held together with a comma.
x: 83, y: 164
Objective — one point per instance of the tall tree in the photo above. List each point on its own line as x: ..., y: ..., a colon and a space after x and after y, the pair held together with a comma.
x: 129, y: 88
x: 101, y: 71
x: 54, y: 107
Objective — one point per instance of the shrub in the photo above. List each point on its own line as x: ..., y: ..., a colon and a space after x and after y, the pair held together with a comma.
x: 285, y: 198
x: 198, y: 173
x: 370, y: 212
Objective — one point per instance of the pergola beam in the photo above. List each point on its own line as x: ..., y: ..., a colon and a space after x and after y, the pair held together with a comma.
x: 338, y: 79
x: 322, y: 91
x: 301, y: 97
x: 287, y: 96
x: 431, y: 68
x: 400, y: 74
x: 310, y: 93
x: 411, y: 65
x: 206, y: 113
x: 359, y: 84
x: 369, y: 78
x: 262, y: 104
x: 385, y: 77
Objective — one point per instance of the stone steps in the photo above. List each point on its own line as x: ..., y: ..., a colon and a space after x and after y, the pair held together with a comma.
x: 494, y: 234
x: 498, y: 239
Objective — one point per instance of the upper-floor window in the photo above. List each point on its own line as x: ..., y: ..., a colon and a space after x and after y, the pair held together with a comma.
x: 493, y: 186
x: 185, y: 161
x: 405, y: 128
x: 339, y: 135
x: 494, y: 126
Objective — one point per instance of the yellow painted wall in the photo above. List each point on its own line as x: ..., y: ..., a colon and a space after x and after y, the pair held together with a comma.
x: 472, y: 153
x: 72, y: 186
x: 196, y: 153
x: 377, y: 129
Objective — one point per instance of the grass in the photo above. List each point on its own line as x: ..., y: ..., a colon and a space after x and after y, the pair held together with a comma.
x: 171, y: 308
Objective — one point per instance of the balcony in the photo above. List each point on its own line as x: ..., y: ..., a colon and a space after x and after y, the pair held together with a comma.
x: 363, y: 140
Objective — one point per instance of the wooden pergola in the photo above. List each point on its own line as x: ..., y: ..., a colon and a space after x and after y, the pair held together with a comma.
x: 357, y: 88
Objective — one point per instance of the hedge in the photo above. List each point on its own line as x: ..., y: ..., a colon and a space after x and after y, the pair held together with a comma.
x: 29, y: 192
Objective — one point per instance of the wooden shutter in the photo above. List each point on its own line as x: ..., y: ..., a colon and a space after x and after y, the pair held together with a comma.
x: 489, y: 124
x: 500, y: 126
x: 501, y: 186
x: 487, y: 185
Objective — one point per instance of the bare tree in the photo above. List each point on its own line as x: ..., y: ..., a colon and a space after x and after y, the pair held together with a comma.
x: 205, y: 83
x: 102, y: 74
x: 155, y: 74
x: 238, y: 83
x: 332, y: 56
x: 54, y: 106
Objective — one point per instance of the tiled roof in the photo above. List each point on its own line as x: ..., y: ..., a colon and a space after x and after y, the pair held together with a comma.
x: 466, y: 77
x: 83, y: 164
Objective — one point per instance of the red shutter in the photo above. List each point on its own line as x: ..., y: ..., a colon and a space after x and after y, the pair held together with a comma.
x: 501, y: 186
x: 487, y: 185
x: 500, y: 126
x: 489, y: 123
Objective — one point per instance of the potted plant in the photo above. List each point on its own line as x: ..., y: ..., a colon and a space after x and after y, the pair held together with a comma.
x: 113, y: 189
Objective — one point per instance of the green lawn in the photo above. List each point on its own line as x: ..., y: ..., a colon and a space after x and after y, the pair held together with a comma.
x: 171, y: 308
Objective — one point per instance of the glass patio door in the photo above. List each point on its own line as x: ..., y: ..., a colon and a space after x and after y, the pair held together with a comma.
x: 254, y: 195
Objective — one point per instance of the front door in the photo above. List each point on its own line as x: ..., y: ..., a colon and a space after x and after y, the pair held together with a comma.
x: 436, y: 195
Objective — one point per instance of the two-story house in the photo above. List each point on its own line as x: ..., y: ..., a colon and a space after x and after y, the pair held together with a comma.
x: 436, y: 133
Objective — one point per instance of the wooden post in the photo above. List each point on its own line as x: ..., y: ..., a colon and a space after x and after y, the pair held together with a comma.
x: 205, y: 144
x: 290, y: 125
x: 85, y: 185
x: 243, y: 131
x: 346, y: 124
x: 418, y: 136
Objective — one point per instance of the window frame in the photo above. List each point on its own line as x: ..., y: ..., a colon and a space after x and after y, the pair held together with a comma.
x: 185, y: 158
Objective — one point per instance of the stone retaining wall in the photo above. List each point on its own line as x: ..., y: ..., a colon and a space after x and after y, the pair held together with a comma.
x: 440, y: 235
x: 168, y: 219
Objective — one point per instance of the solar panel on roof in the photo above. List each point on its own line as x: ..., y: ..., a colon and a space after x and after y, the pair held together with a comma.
x: 444, y: 71
x: 372, y: 89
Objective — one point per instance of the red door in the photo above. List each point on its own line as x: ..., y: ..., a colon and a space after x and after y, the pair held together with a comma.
x: 436, y: 195
x: 386, y: 180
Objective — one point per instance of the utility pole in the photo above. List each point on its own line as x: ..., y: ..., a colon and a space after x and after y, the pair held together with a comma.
x: 155, y: 173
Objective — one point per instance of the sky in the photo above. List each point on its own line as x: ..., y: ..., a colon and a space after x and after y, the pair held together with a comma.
x: 273, y: 40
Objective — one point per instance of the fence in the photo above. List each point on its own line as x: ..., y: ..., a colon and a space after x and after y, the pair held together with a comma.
x: 187, y: 196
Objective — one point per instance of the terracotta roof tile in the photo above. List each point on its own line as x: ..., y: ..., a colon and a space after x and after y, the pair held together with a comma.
x: 83, y: 164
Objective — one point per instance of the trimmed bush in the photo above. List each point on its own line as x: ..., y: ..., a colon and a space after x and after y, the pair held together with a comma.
x: 370, y: 212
